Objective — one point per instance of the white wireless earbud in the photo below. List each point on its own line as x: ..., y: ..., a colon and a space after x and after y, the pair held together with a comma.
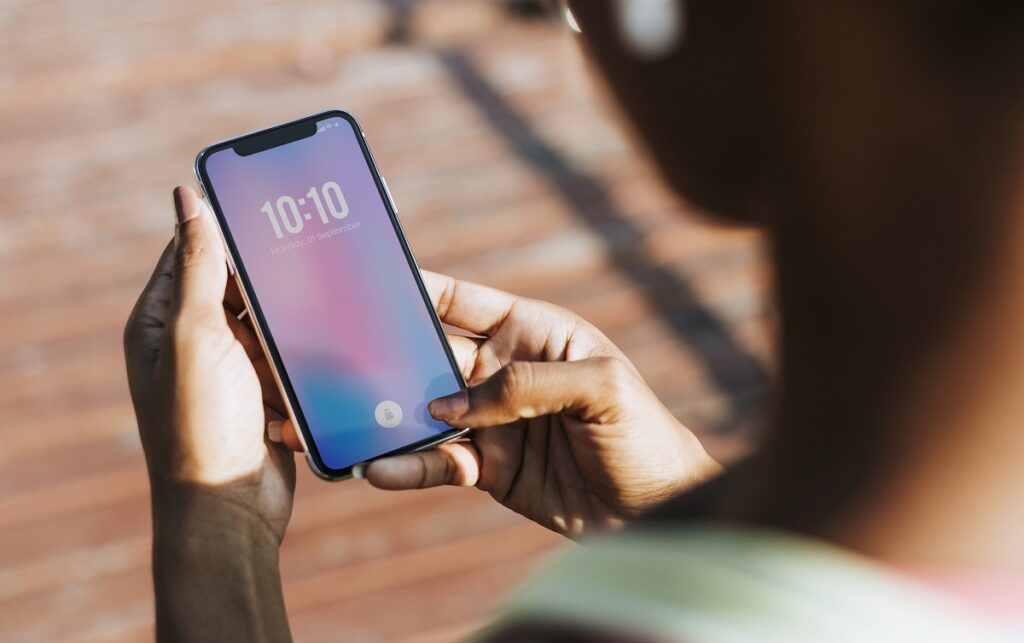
x: 652, y: 29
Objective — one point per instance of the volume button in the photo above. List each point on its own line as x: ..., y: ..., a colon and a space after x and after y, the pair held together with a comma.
x: 387, y: 191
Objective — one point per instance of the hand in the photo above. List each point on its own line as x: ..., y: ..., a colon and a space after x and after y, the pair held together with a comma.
x: 221, y: 492
x: 565, y: 431
x: 201, y: 405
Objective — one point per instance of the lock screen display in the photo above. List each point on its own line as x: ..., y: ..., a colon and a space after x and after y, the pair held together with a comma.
x: 341, y: 304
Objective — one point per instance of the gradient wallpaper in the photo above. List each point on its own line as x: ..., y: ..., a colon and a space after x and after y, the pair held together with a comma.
x: 339, y: 298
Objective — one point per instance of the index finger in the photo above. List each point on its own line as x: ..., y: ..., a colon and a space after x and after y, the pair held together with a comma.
x: 467, y: 305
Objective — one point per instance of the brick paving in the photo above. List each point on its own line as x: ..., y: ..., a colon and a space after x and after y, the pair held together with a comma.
x: 508, y: 168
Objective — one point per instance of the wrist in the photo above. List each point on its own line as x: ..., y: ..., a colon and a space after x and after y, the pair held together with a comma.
x: 215, y: 569
x: 188, y: 514
x: 200, y: 532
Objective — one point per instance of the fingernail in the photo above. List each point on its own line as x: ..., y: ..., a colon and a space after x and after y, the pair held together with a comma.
x: 359, y: 470
x: 450, y: 407
x: 184, y: 206
x: 274, y: 430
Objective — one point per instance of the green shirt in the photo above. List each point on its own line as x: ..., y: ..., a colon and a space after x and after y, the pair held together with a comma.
x: 714, y: 583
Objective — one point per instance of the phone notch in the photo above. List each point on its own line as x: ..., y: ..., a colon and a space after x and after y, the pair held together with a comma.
x: 274, y: 137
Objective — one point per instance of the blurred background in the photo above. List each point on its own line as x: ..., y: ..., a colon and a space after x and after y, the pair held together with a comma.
x: 508, y: 167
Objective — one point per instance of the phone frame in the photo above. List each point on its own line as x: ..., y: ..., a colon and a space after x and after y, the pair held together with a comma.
x: 282, y: 135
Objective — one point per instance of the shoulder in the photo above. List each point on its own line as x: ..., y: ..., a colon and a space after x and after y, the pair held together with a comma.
x: 711, y: 581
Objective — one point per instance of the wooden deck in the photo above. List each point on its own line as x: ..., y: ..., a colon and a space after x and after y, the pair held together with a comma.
x: 508, y: 168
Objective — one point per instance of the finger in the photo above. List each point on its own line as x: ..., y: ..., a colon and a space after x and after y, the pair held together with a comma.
x: 467, y: 305
x: 284, y: 432
x: 280, y: 453
x: 254, y: 350
x: 233, y: 298
x: 152, y: 310
x: 245, y: 335
x: 199, y: 268
x: 589, y: 389
x: 454, y: 463
x: 464, y: 349
x: 290, y: 436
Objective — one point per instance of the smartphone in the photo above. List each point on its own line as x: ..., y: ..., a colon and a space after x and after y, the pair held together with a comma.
x: 335, y: 296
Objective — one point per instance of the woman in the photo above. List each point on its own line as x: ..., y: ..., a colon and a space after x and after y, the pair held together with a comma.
x: 880, y: 143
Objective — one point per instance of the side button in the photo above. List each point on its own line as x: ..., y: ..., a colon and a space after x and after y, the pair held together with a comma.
x: 387, y: 191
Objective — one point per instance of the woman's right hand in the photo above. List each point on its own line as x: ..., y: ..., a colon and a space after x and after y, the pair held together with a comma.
x: 565, y: 430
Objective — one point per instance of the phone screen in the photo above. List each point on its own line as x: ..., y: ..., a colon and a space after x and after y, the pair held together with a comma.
x: 331, y: 281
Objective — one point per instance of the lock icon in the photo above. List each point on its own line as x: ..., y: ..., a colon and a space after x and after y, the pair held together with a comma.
x: 388, y: 414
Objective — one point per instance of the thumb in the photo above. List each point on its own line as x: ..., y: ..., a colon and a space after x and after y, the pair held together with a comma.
x: 589, y: 389
x: 199, y: 268
x: 454, y: 463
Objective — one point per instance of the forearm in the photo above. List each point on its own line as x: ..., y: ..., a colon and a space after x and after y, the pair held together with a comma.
x: 215, y: 571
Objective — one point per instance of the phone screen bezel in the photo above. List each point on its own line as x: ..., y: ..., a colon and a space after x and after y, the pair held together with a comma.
x: 279, y: 135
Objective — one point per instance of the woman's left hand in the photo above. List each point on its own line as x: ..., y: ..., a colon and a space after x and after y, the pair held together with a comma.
x: 194, y: 372
x: 221, y: 491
